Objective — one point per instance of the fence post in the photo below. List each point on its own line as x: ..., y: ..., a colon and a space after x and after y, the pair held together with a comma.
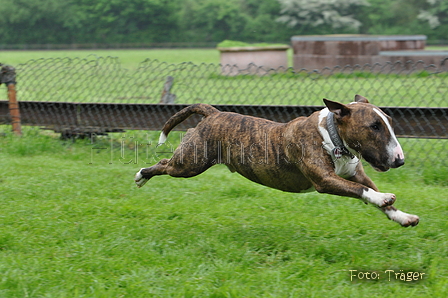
x: 167, y: 96
x: 8, y: 77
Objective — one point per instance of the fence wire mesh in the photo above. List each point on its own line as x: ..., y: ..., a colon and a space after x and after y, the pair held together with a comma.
x: 103, y: 80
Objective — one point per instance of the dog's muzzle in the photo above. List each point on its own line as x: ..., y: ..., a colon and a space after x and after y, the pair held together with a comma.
x: 398, y: 162
x: 398, y: 157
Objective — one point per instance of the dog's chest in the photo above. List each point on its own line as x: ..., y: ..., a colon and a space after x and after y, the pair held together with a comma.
x: 345, y: 166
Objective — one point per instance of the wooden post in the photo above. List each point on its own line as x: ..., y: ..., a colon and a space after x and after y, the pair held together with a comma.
x: 14, y: 110
x: 167, y: 96
x: 8, y: 77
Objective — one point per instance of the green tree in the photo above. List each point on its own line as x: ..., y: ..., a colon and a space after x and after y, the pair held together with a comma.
x: 67, y: 21
x: 436, y: 16
x: 321, y: 16
x: 261, y: 24
x: 35, y: 21
x: 116, y: 21
x: 211, y: 20
x: 392, y: 17
x: 248, y: 20
x: 124, y: 21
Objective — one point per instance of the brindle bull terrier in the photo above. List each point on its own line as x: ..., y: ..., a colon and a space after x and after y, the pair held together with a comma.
x: 320, y: 152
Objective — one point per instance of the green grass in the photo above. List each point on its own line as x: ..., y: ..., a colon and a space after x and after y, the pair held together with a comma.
x: 437, y: 48
x: 129, y: 59
x: 74, y: 225
x: 235, y: 43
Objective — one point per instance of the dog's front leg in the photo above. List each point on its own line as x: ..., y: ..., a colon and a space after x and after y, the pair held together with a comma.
x: 400, y: 217
x: 362, y: 178
x: 391, y: 212
x: 372, y: 191
x: 362, y: 187
x: 333, y: 184
x: 338, y: 186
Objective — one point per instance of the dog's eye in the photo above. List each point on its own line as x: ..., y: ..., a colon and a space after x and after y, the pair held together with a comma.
x: 375, y: 127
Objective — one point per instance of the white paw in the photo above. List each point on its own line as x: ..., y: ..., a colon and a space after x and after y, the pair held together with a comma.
x: 410, y: 220
x: 388, y: 199
x: 139, y: 180
x: 403, y: 218
x: 377, y: 198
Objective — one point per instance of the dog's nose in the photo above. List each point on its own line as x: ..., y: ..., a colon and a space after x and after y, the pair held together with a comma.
x: 398, y: 162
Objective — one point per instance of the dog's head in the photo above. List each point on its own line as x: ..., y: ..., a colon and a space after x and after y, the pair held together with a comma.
x: 366, y: 129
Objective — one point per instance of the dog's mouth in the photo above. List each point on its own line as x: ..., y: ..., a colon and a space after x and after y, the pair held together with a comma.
x: 377, y: 166
x: 380, y: 168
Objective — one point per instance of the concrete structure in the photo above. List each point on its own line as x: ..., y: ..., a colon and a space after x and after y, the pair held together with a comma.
x: 253, y: 60
x: 317, y: 52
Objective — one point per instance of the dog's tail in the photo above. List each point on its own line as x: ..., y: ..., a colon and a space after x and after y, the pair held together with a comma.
x: 199, y: 108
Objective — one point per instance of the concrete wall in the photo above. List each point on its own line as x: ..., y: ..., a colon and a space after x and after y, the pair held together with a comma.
x: 318, y: 52
x: 254, y: 60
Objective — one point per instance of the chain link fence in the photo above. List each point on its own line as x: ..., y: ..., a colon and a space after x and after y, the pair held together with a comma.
x: 421, y: 92
x: 103, y: 80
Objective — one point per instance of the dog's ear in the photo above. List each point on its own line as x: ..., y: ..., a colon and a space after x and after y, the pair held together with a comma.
x: 359, y: 98
x: 339, y: 109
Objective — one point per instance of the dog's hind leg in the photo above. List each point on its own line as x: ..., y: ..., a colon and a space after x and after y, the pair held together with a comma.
x: 145, y: 174
x: 169, y: 167
x: 191, y: 158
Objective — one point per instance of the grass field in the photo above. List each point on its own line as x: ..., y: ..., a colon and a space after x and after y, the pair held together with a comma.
x: 73, y: 224
x: 129, y: 59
